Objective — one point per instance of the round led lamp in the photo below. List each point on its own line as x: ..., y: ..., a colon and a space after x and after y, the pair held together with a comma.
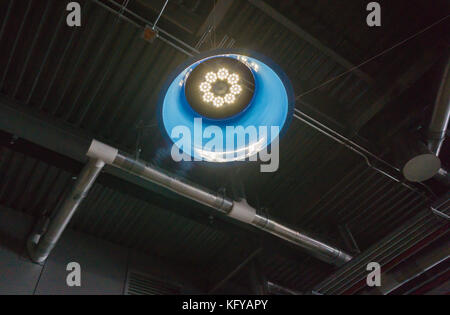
x: 226, y: 88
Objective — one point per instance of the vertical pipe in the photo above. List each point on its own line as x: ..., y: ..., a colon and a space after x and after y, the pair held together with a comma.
x: 441, y: 114
x: 39, y: 247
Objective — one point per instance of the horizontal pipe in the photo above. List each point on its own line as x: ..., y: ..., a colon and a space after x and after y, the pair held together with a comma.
x: 121, y: 160
x: 238, y: 210
x: 245, y: 213
x: 39, y: 247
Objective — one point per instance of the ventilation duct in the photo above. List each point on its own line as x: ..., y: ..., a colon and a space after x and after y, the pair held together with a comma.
x: 238, y: 210
x: 41, y: 242
x: 419, y: 161
x: 441, y: 114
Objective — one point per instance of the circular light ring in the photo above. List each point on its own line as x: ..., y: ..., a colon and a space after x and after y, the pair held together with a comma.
x: 222, y: 74
x: 230, y: 86
x: 229, y: 98
x: 216, y: 72
x: 218, y: 101
x: 208, y: 97
x: 236, y: 89
x: 205, y: 87
x: 233, y: 78
x: 272, y: 104
x: 211, y: 77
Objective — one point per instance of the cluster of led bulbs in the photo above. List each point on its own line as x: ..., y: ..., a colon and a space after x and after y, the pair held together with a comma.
x: 223, y: 75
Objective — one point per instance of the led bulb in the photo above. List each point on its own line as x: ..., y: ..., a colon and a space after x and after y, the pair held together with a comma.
x: 243, y: 58
x: 222, y: 74
x: 211, y: 77
x: 233, y: 78
x: 235, y: 89
x: 205, y: 87
x: 208, y: 97
x: 230, y: 98
x: 218, y: 101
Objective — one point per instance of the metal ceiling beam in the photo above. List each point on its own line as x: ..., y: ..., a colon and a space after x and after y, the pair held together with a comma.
x: 171, y: 40
x: 404, y: 81
x: 412, y: 236
x: 60, y: 138
x: 235, y: 270
x: 280, y: 18
x: 410, y: 270
x: 184, y: 19
x: 216, y: 15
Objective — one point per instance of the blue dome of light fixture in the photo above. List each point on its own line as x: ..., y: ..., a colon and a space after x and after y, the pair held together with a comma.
x: 226, y: 88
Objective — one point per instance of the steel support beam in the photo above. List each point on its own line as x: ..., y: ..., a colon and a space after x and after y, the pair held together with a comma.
x: 410, y: 270
x: 57, y: 137
x: 384, y: 96
x: 235, y: 270
x: 216, y: 15
x: 417, y: 233
x: 280, y: 18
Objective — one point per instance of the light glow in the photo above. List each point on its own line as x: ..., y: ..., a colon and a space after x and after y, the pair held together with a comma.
x: 218, y: 101
x: 222, y: 74
x: 233, y: 78
x: 208, y: 97
x: 205, y: 87
x: 236, y: 89
x: 230, y: 98
x: 211, y: 77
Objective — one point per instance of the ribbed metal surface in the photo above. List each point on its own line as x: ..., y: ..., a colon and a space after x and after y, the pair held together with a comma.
x: 303, y: 62
x: 416, y: 228
x: 104, y: 79
x: 143, y: 284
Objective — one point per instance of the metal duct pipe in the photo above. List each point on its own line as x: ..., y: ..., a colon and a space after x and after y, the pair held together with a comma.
x: 239, y: 210
x: 113, y: 157
x: 441, y: 114
x: 39, y: 247
x: 245, y: 213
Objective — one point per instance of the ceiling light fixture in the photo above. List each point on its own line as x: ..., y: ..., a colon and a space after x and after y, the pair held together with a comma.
x: 223, y: 85
x: 226, y: 88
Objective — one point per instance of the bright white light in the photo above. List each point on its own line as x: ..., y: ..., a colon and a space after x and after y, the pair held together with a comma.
x: 255, y: 66
x: 208, y: 97
x: 233, y: 78
x: 221, y: 157
x: 222, y: 74
x: 230, y: 98
x: 236, y: 89
x: 243, y: 58
x: 205, y: 87
x: 211, y: 77
x: 218, y: 101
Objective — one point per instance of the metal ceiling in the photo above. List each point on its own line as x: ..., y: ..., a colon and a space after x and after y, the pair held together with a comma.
x: 103, y: 79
